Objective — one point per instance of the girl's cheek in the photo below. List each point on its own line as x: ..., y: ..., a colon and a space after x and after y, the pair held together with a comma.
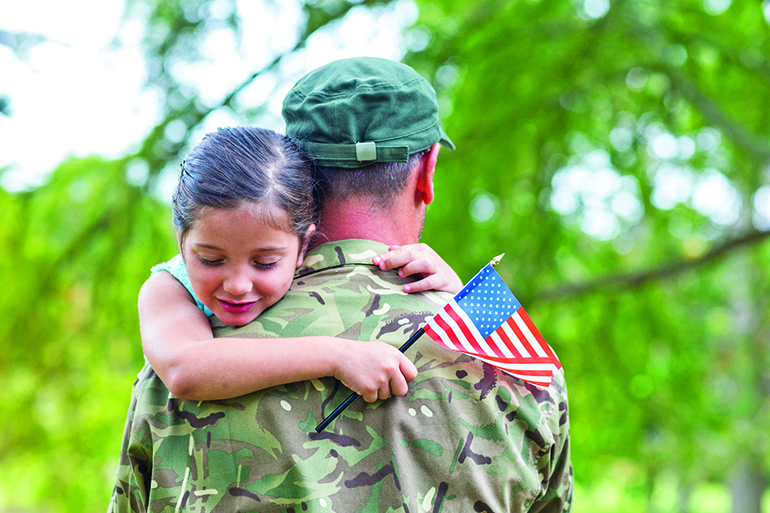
x: 203, y: 279
x: 287, y: 282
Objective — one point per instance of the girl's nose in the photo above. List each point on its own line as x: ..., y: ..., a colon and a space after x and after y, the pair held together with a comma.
x: 238, y: 284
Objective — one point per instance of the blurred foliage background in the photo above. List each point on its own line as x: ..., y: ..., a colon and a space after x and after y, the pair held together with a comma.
x: 616, y: 151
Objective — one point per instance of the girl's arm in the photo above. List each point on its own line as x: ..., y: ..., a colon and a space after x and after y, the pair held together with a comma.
x: 420, y: 259
x: 178, y: 343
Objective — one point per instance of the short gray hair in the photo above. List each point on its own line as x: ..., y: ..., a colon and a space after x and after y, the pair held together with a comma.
x: 380, y: 182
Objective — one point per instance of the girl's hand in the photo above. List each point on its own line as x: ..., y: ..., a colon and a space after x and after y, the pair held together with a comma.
x: 374, y: 370
x: 420, y: 259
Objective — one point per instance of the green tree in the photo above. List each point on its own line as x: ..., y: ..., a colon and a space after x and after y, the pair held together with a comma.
x: 75, y: 251
x: 616, y: 152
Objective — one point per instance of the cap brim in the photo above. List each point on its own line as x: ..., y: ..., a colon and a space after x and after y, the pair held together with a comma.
x: 444, y: 140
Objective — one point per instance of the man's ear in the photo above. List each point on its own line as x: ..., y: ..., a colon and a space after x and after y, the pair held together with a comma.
x: 427, y: 168
x: 305, y: 243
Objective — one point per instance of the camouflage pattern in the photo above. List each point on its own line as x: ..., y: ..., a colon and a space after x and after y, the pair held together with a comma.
x: 465, y: 438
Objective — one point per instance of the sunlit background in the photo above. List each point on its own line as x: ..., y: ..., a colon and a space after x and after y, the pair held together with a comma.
x: 616, y: 151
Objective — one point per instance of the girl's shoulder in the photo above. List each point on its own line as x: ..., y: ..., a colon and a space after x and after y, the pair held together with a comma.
x: 175, y: 266
x: 178, y: 269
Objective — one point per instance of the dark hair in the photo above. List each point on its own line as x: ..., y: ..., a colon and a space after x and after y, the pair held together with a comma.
x: 380, y: 182
x: 245, y: 164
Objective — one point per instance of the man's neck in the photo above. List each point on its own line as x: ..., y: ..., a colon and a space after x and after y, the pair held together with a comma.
x: 354, y: 219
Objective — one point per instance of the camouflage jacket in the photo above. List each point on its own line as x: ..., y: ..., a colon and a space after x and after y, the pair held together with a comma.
x: 465, y: 438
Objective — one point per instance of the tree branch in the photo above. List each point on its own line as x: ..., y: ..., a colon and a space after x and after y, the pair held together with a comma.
x: 193, y: 113
x: 634, y: 280
x: 752, y: 143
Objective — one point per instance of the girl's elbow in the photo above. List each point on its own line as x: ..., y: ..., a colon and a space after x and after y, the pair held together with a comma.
x: 181, y: 384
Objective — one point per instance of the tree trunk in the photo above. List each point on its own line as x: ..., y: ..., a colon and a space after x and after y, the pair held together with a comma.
x: 683, y: 496
x: 747, y: 485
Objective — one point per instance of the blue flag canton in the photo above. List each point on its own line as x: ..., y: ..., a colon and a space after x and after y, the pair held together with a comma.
x: 487, y: 301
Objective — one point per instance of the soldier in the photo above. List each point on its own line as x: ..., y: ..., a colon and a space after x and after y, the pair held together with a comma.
x: 466, y: 437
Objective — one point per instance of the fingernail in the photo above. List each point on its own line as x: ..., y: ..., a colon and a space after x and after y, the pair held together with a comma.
x: 376, y: 260
x: 407, y: 288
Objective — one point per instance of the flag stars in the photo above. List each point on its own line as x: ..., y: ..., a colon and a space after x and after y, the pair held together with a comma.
x: 487, y: 303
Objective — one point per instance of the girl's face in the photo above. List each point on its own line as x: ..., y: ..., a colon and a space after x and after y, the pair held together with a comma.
x: 238, y: 264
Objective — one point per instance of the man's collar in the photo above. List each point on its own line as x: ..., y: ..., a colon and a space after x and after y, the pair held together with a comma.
x: 340, y: 253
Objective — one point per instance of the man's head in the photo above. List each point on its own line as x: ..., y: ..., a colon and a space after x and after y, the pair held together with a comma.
x: 366, y: 123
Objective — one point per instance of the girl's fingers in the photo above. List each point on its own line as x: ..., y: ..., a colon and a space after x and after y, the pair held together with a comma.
x: 380, y: 372
x: 392, y: 259
x: 384, y: 392
x: 428, y: 283
x: 420, y: 259
x: 422, y: 266
x: 399, y: 386
x: 398, y: 256
x: 409, y: 370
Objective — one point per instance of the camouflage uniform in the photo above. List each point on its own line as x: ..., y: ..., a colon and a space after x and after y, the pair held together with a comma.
x: 465, y: 438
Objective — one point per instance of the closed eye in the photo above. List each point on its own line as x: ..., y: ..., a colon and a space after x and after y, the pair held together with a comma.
x: 264, y: 267
x: 209, y: 262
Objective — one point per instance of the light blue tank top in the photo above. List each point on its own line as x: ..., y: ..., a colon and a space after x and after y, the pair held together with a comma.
x: 178, y: 270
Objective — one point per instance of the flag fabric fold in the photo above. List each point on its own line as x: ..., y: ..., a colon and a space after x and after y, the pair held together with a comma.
x: 486, y: 321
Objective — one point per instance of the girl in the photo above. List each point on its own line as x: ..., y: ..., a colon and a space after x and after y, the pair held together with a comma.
x: 244, y: 215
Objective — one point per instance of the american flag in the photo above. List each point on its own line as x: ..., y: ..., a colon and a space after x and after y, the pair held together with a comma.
x: 486, y: 321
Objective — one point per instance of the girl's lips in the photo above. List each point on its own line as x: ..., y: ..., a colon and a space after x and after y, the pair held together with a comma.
x: 229, y: 307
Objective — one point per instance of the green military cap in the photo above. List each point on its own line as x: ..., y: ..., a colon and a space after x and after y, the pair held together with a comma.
x: 355, y: 112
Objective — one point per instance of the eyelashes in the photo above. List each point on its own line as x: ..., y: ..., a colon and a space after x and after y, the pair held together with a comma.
x: 258, y: 265
x: 209, y: 263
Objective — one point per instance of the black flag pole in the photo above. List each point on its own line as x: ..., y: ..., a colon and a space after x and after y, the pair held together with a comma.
x: 352, y: 397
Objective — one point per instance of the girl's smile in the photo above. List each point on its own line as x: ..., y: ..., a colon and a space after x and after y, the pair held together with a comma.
x: 234, y: 307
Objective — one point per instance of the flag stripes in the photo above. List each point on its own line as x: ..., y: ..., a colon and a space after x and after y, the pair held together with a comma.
x: 515, y: 346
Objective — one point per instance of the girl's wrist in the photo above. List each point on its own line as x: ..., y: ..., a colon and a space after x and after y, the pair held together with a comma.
x: 335, y: 351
